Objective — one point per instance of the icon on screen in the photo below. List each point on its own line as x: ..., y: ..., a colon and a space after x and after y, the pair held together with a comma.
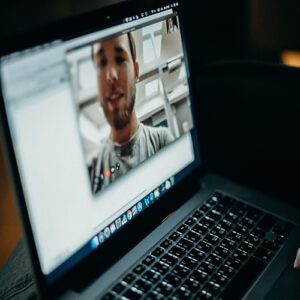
x: 140, y: 206
x: 156, y: 193
x: 101, y: 237
x: 117, y: 166
x: 94, y: 242
x: 107, y: 232
x: 134, y: 211
x: 147, y: 201
x: 124, y: 219
x: 168, y: 184
x: 151, y: 197
x: 129, y: 214
x: 118, y: 223
x: 112, y: 228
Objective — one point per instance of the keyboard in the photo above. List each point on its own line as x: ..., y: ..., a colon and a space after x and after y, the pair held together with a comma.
x: 217, y: 252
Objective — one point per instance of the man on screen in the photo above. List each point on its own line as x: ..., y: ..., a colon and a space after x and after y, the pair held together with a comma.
x: 130, y: 142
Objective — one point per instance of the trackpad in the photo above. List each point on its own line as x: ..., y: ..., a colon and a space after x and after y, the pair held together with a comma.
x: 287, y: 286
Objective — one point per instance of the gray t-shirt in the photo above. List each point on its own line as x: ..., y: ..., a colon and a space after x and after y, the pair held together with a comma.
x: 114, y: 160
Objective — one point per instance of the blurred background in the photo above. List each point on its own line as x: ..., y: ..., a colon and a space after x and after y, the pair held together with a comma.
x: 246, y: 30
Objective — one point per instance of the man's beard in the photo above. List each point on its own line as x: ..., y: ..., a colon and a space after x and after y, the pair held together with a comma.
x: 120, y: 118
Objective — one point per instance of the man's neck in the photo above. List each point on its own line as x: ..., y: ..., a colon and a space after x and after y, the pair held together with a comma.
x: 124, y: 135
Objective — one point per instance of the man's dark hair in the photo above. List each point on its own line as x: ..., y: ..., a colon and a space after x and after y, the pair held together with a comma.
x: 131, y: 45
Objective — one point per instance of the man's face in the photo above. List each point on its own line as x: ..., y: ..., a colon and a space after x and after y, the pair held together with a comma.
x: 117, y: 73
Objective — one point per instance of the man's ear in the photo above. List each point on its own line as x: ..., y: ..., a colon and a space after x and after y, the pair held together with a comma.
x: 136, y: 70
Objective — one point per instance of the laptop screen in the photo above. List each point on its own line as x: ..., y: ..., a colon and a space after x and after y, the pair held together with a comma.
x: 102, y: 127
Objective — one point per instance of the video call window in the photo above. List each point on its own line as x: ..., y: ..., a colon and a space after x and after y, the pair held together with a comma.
x: 133, y: 98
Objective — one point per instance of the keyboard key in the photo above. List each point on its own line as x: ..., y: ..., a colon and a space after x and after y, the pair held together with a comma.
x: 194, y: 237
x: 190, y: 263
x: 164, y: 289
x: 139, y: 269
x: 205, y: 208
x: 214, y: 215
x: 221, y: 209
x: 267, y: 222
x: 219, y: 279
x: 172, y: 280
x: 151, y: 276
x: 207, y: 268
x: 226, y: 224
x: 240, y: 255
x: 212, y: 288
x: 158, y: 252
x: 233, y: 263
x: 203, y: 294
x: 142, y: 285
x: 183, y: 243
x: 263, y: 254
x: 283, y: 228
x: 221, y: 251
x: 217, y: 196
x: 119, y: 287
x: 199, y: 276
x: 241, y: 229
x: 214, y: 259
x: 240, y: 209
x: 228, y: 244
x: 197, y: 254
x: 205, y: 247
x: 247, y: 222
x: 207, y: 222
x: 190, y: 221
x: 160, y: 268
x: 269, y: 245
x: 197, y: 214
x: 226, y: 271
x: 253, y: 239
x: 233, y: 218
x: 169, y: 259
x: 258, y: 232
x: 243, y: 279
x: 235, y: 236
x: 182, y: 293
x: 218, y: 231
x: 183, y: 228
x: 166, y: 244
x: 133, y: 293
x: 254, y: 214
x: 181, y: 271
x: 199, y: 228
x: 178, y: 252
x: 246, y: 247
x: 191, y: 285
x: 148, y: 260
x: 227, y: 201
x: 129, y: 278
x: 155, y: 296
x: 174, y: 236
x: 211, y: 239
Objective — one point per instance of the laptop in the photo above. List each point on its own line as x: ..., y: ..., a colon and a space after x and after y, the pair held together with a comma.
x: 99, y: 121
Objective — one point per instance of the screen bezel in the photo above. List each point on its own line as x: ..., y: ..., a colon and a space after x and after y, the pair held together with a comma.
x: 151, y: 217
